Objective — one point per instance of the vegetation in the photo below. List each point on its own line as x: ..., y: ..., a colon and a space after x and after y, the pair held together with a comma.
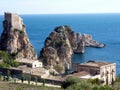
x: 36, y: 80
x: 68, y: 28
x: 73, y: 83
x: 29, y: 79
x: 58, y: 43
x: 94, y: 81
x: 58, y: 68
x: 20, y: 31
x: 4, y: 65
x: 22, y: 78
x: 17, y: 86
x: 69, y: 82
x: 8, y: 75
x: 7, y: 60
x: 43, y: 81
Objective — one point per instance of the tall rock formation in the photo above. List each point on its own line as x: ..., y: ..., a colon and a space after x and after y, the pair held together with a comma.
x: 61, y: 44
x: 14, y: 38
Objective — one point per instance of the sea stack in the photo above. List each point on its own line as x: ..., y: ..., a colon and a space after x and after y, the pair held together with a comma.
x: 14, y: 38
x: 61, y: 44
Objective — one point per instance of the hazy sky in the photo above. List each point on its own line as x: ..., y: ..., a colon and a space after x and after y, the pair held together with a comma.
x: 59, y: 6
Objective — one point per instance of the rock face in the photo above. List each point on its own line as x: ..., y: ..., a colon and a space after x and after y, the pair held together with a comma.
x: 61, y: 44
x: 14, y: 39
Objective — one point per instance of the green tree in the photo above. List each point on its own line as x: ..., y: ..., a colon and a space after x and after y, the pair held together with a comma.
x: 36, y: 80
x: 22, y: 78
x: 43, y: 81
x: 29, y: 79
x: 94, y: 81
x: 80, y: 86
x: 70, y: 81
x: 8, y: 75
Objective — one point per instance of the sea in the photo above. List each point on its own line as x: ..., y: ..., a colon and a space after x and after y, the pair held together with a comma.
x: 104, y: 28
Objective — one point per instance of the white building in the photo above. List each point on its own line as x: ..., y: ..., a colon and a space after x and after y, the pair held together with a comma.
x: 30, y: 63
x: 105, y: 71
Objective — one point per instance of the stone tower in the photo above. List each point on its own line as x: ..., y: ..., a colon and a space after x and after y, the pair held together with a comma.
x: 14, y: 38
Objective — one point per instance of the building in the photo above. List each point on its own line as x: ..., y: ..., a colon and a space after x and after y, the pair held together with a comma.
x: 30, y: 63
x: 32, y: 68
x: 105, y: 71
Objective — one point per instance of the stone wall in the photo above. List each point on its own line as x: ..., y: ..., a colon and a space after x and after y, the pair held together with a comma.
x: 14, y: 20
x: 13, y: 72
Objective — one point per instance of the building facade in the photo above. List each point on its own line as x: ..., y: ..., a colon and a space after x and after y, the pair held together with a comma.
x: 30, y: 63
x: 105, y: 71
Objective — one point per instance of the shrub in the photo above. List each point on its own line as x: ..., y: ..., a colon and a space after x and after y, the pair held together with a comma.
x: 22, y: 78
x: 58, y: 68
x: 20, y: 31
x: 14, y: 63
x: 5, y: 57
x: 80, y: 86
x: 94, y: 81
x: 118, y: 79
x: 7, y: 60
x: 8, y: 75
x: 106, y: 88
x: 4, y: 65
x: 29, y: 79
x: 43, y: 81
x: 36, y: 80
x: 70, y: 81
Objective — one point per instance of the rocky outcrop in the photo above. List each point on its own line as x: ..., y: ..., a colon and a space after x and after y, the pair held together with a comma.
x: 14, y: 39
x: 61, y: 44
x: 89, y: 42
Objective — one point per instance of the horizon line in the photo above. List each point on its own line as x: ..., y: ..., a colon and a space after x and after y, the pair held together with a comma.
x: 60, y: 13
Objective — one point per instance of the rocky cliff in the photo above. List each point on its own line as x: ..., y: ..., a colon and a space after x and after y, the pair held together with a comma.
x: 61, y: 44
x: 14, y: 38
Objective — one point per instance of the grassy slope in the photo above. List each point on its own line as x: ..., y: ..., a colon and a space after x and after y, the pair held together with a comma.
x: 12, y: 86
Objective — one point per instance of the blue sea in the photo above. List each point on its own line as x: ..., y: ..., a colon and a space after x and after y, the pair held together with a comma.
x: 104, y: 28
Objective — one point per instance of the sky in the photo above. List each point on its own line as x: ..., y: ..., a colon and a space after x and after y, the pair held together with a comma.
x: 59, y: 6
